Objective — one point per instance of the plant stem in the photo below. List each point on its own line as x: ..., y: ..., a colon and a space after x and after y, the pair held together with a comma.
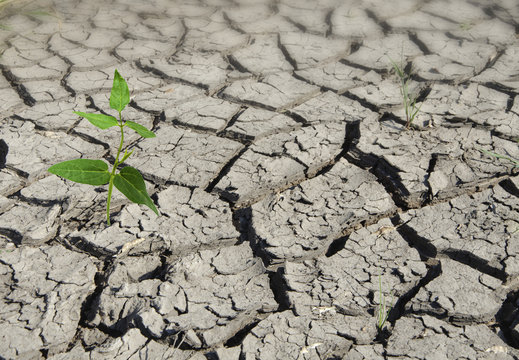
x: 380, y: 308
x: 110, y: 187
x: 112, y: 174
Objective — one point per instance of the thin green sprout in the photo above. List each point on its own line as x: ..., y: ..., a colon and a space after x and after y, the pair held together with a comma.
x: 409, y: 100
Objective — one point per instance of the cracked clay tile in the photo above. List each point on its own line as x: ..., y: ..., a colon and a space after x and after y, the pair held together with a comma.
x: 304, y: 220
x: 468, y: 296
x: 275, y: 91
x: 48, y: 284
x: 279, y: 160
x: 348, y: 281
x: 184, y: 157
x: 415, y: 336
x: 214, y: 298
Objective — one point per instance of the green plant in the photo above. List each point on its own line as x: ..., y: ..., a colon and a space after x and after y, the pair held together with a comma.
x: 129, y: 181
x: 383, y: 310
x: 499, y: 156
x: 467, y: 25
x: 9, y: 7
x: 408, y: 99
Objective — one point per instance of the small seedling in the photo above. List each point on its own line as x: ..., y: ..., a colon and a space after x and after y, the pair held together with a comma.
x: 466, y: 25
x: 383, y: 310
x: 129, y: 180
x: 408, y: 99
x: 499, y: 156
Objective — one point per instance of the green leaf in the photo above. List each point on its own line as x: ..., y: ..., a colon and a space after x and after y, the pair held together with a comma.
x: 120, y: 95
x: 126, y: 156
x: 40, y: 13
x: 130, y: 182
x: 145, y: 133
x: 399, y: 72
x: 100, y: 120
x: 83, y: 171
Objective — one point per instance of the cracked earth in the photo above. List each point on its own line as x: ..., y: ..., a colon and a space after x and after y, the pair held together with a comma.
x: 293, y: 199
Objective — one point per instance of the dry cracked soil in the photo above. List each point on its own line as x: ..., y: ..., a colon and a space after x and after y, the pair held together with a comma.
x: 294, y: 202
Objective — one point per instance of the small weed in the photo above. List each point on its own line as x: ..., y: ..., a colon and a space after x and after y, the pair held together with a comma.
x: 408, y: 99
x: 466, y: 25
x: 129, y: 181
x: 499, y: 156
x: 12, y: 7
x: 383, y: 310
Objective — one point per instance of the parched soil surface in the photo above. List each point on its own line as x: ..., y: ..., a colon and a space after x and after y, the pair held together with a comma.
x: 294, y: 202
